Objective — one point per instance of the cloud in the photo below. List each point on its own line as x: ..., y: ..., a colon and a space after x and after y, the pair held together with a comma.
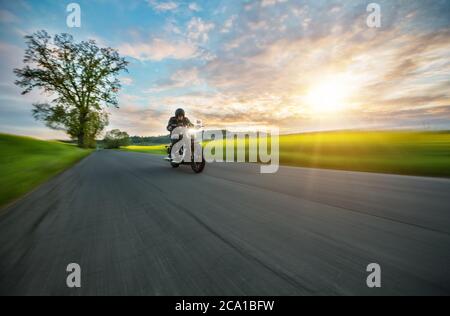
x: 227, y: 111
x: 11, y: 54
x: 126, y: 81
x: 228, y: 25
x: 8, y: 17
x: 236, y: 42
x: 267, y: 3
x: 10, y: 58
x: 163, y: 6
x: 171, y: 27
x: 180, y: 79
x: 390, y: 71
x: 159, y: 49
x: 194, y: 7
x: 198, y: 29
x: 140, y: 121
x: 258, y: 25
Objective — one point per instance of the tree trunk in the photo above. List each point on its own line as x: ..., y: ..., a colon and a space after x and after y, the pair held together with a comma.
x: 82, y: 136
x: 81, y: 140
x: 82, y: 130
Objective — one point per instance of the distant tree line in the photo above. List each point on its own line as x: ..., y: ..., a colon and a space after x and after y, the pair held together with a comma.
x: 149, y: 140
x: 116, y: 139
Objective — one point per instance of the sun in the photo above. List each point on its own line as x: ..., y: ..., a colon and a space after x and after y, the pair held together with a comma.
x: 328, y: 96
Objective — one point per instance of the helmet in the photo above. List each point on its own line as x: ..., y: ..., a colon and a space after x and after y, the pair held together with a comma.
x: 179, y: 112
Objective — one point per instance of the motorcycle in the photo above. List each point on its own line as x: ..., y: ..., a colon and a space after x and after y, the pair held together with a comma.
x: 181, y: 137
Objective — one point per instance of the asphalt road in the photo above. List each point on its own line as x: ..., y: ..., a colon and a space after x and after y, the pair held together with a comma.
x: 138, y: 227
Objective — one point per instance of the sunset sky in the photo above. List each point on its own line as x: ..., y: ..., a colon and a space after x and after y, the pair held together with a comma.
x: 298, y: 65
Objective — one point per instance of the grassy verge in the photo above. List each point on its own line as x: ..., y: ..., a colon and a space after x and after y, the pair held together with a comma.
x: 405, y: 152
x: 26, y: 162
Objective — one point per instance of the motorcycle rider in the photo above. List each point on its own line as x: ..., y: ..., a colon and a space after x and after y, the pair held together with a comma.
x: 179, y: 120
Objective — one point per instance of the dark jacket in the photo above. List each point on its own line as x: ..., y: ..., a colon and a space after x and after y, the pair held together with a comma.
x: 174, y: 122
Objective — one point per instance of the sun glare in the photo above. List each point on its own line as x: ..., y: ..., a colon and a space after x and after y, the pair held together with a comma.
x: 327, y: 97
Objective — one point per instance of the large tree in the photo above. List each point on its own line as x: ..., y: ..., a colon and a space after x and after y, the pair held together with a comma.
x: 81, y: 79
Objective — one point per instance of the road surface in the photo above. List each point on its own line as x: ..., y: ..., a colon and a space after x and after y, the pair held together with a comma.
x: 138, y: 227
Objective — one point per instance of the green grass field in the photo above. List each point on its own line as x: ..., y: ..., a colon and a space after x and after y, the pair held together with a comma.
x: 26, y: 162
x: 155, y: 149
x: 406, y: 152
x: 409, y: 153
